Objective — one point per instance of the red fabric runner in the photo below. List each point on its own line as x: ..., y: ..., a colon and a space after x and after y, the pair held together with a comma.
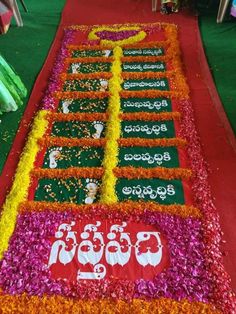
x: 216, y: 136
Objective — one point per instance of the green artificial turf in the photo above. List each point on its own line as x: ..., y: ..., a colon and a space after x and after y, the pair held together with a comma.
x: 25, y: 49
x: 219, y: 42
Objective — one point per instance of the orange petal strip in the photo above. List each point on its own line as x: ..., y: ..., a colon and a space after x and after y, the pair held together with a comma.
x: 148, y: 173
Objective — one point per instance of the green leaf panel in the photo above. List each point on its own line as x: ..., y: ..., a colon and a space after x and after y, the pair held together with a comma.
x: 83, y: 105
x: 86, y: 85
x: 79, y: 129
x: 146, y: 105
x: 148, y: 129
x: 64, y: 157
x: 89, y: 67
x: 146, y: 84
x: 147, y: 52
x: 92, y: 53
x: 143, y: 67
x: 73, y: 190
x: 148, y: 157
x: 156, y: 190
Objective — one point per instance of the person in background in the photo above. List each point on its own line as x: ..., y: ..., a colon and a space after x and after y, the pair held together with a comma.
x: 12, y: 90
x: 169, y: 6
x: 233, y: 8
x: 173, y: 6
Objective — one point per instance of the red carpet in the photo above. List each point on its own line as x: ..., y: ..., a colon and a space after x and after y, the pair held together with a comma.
x: 217, y: 139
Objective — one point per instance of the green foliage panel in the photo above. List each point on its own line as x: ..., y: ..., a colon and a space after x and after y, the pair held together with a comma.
x: 64, y: 157
x: 83, y: 105
x: 73, y: 190
x: 143, y: 67
x: 151, y: 52
x: 148, y: 157
x: 146, y: 104
x: 148, y: 129
x: 78, y: 129
x: 92, y: 53
x: 89, y: 67
x: 146, y: 84
x: 156, y: 190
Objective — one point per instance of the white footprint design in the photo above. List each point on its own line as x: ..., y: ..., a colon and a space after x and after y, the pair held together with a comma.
x: 53, y: 156
x: 92, y: 188
x: 98, y: 126
x: 75, y: 67
x: 66, y: 103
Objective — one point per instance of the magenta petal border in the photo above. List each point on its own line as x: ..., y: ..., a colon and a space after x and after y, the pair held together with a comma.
x: 24, y: 266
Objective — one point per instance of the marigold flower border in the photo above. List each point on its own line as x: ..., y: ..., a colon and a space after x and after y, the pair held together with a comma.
x: 48, y: 141
x: 127, y: 208
x: 21, y: 183
x: 134, y: 116
x: 57, y: 304
x: 113, y: 131
x: 119, y: 172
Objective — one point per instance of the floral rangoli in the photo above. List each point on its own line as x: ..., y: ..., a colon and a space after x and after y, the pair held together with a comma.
x: 110, y: 209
